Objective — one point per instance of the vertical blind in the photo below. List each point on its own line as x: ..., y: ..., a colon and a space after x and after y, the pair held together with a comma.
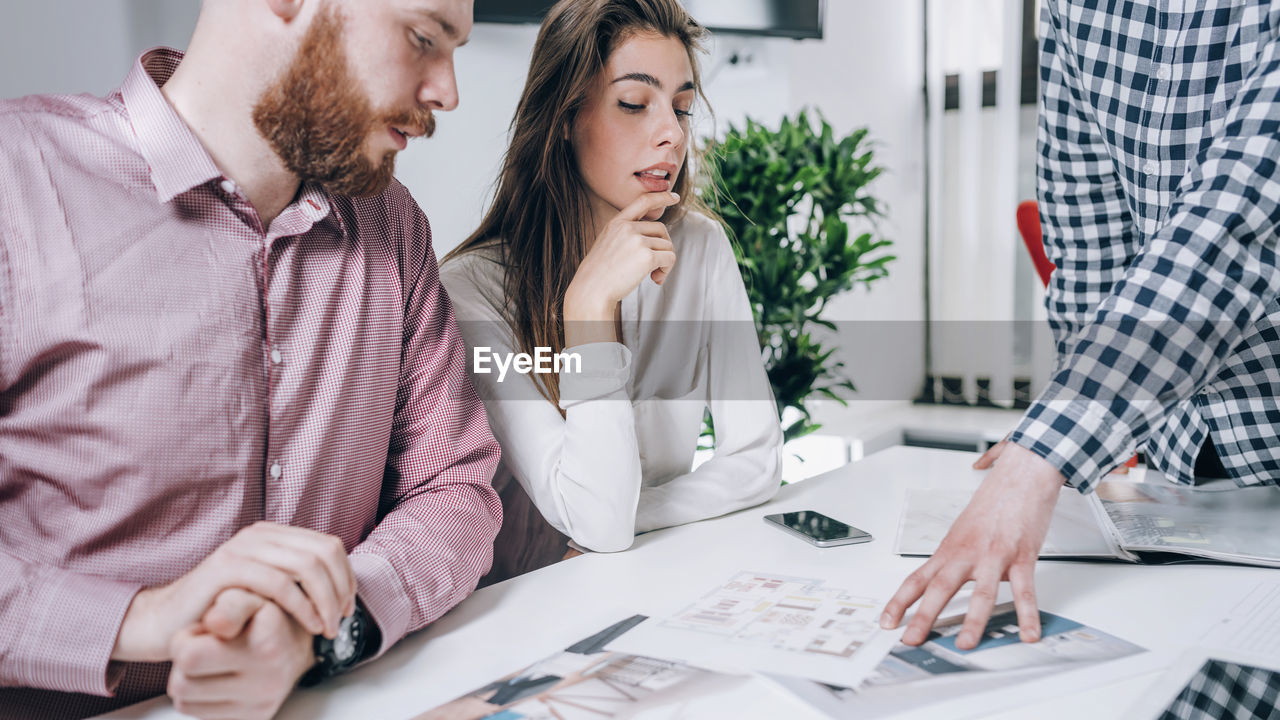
x: 973, y: 170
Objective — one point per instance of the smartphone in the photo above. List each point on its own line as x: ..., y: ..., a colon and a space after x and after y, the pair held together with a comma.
x: 818, y: 529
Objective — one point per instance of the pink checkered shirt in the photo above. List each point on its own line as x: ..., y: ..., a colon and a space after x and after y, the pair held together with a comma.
x: 171, y: 371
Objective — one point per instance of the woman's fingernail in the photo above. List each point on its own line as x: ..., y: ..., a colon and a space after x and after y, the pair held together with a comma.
x: 885, y: 623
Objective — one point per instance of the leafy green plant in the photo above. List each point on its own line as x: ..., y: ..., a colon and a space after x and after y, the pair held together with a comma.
x: 792, y: 199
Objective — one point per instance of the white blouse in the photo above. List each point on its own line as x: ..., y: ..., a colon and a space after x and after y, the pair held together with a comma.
x: 618, y: 462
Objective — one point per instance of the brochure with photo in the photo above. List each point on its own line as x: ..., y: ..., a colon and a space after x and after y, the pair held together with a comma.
x: 997, y: 673
x: 586, y: 682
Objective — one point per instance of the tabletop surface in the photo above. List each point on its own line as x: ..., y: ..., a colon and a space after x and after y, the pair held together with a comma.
x: 507, y: 626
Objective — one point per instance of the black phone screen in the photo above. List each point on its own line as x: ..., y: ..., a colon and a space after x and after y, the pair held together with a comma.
x: 819, y: 526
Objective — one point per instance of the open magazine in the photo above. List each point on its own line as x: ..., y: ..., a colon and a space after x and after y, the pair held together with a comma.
x: 1149, y: 522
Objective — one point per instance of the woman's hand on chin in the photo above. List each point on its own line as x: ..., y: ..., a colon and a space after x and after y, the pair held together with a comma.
x: 626, y: 250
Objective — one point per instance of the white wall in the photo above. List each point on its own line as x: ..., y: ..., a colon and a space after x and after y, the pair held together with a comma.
x: 68, y: 46
x: 75, y: 46
x: 868, y: 71
x: 161, y: 22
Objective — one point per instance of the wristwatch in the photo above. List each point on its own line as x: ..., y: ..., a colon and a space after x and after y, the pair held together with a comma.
x: 357, y: 637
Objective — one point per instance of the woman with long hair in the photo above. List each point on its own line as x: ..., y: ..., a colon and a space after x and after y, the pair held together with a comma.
x: 596, y: 250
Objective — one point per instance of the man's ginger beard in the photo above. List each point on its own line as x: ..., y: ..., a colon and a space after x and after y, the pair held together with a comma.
x: 318, y: 121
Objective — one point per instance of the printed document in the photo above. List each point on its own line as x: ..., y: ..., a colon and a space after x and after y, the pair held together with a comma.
x: 769, y: 622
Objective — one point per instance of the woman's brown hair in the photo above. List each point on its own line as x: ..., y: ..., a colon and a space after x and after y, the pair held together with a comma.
x: 540, y: 218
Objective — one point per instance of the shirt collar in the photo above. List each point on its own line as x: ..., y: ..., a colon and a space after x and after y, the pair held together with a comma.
x: 177, y: 159
x: 314, y: 206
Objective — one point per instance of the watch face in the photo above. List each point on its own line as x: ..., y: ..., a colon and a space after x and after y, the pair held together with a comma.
x: 344, y: 645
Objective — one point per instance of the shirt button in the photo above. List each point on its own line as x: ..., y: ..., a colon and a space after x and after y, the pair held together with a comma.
x: 1162, y: 72
x: 228, y: 187
x: 276, y: 357
x: 313, y: 211
x: 1149, y: 167
x: 276, y: 471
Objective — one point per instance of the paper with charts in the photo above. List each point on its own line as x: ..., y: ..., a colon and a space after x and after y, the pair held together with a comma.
x: 771, y: 623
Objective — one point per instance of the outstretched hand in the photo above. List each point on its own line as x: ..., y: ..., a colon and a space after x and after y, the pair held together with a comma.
x: 997, y: 537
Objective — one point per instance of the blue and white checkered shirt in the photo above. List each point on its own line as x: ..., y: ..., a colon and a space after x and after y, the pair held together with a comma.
x: 1159, y: 194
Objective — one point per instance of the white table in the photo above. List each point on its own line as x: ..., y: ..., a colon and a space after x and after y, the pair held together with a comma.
x: 502, y: 628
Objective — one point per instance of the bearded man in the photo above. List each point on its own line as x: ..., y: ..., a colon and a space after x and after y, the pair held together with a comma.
x: 238, y: 445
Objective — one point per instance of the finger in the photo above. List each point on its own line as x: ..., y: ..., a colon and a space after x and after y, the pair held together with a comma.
x: 231, y: 611
x: 658, y: 276
x: 203, y: 655
x: 209, y: 711
x: 304, y: 564
x: 647, y: 203
x: 661, y: 244
x: 331, y: 551
x: 182, y: 644
x: 655, y: 233
x: 980, y: 605
x: 271, y: 583
x: 941, y: 589
x: 320, y: 564
x: 1022, y: 582
x: 990, y: 456
x: 224, y: 688
x: 329, y: 548
x: 910, y: 591
x: 307, y: 572
x: 662, y: 260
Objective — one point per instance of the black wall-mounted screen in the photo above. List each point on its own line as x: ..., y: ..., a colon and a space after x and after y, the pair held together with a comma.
x: 778, y: 18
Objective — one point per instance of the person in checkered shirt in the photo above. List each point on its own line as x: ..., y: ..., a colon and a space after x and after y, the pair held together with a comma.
x: 1158, y: 187
x: 238, y: 442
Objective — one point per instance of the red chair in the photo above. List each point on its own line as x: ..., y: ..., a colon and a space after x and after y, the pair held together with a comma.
x: 1032, y: 237
x: 1029, y: 228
